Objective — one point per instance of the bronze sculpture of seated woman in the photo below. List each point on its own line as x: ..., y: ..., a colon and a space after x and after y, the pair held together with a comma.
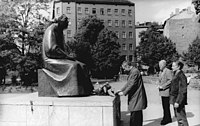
x: 62, y: 74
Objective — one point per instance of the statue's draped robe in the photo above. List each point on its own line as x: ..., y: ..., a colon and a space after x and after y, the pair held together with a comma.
x: 68, y: 77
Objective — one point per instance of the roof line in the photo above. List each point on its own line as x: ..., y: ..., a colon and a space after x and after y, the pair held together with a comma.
x: 113, y: 2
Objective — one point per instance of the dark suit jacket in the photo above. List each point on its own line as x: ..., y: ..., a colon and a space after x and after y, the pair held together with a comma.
x: 134, y: 88
x: 178, y: 89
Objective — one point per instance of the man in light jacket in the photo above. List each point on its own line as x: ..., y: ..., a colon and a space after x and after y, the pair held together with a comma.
x: 137, y: 99
x: 165, y: 78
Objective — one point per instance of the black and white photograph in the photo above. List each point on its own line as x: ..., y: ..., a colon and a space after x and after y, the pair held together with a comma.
x: 99, y: 62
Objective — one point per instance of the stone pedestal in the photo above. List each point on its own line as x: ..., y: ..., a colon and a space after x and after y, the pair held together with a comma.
x: 31, y: 110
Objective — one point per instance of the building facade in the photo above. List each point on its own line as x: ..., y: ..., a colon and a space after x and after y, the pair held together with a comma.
x: 117, y: 15
x: 139, y: 27
x: 182, y: 28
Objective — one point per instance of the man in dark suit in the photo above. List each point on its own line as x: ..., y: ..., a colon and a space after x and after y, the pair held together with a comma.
x: 165, y: 78
x: 137, y: 99
x: 178, y: 93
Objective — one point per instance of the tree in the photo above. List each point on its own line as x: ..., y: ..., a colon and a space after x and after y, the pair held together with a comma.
x: 84, y: 39
x: 89, y: 29
x: 106, y: 55
x: 154, y: 47
x: 192, y: 57
x: 97, y: 47
x: 24, y: 23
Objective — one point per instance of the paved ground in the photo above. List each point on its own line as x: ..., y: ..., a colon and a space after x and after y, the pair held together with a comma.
x: 153, y: 114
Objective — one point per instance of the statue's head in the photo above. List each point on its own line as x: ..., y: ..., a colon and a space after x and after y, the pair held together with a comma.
x: 63, y: 21
x: 196, y: 4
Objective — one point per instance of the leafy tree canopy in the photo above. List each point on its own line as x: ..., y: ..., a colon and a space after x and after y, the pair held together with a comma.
x: 96, y: 46
x: 22, y: 25
x: 106, y: 54
x: 192, y: 57
x: 154, y: 47
x: 89, y: 29
x: 86, y: 36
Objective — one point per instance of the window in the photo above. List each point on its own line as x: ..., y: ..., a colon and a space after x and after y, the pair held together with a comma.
x: 130, y: 34
x: 102, y: 20
x: 79, y: 10
x: 130, y: 58
x: 123, y: 34
x: 86, y: 11
x: 116, y: 12
x: 117, y: 34
x: 130, y: 23
x: 116, y: 23
x: 130, y: 46
x: 79, y: 21
x: 69, y: 33
x: 93, y: 10
x: 101, y: 11
x: 109, y: 23
x: 58, y: 10
x: 123, y: 12
x: 123, y: 46
x: 123, y: 23
x: 68, y: 10
x: 130, y: 12
x: 109, y: 11
x: 69, y: 22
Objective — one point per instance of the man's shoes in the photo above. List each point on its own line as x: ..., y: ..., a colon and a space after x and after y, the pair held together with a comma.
x: 163, y: 122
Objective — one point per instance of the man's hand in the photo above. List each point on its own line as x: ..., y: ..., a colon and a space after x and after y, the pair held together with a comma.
x: 176, y: 105
x: 160, y: 87
x: 119, y: 93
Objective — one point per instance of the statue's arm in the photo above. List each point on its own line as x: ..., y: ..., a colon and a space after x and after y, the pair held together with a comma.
x: 53, y: 50
x: 50, y: 45
x: 60, y: 51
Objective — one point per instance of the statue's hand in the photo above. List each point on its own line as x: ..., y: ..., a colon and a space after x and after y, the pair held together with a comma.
x: 60, y: 51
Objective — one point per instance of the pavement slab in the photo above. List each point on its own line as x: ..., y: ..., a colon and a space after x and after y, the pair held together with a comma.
x: 153, y: 114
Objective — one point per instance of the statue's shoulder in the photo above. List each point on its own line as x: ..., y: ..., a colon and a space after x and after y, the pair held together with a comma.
x: 51, y: 27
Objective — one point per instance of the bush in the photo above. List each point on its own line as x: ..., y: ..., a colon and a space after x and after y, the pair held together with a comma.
x: 191, y: 70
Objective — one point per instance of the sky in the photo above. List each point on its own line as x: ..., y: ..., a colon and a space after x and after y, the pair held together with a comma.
x: 158, y: 10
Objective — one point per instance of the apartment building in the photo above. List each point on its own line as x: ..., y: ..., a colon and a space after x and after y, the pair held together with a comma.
x: 182, y: 29
x: 117, y: 15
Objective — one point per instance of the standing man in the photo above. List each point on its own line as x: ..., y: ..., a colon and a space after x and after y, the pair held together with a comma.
x: 137, y: 99
x: 165, y: 78
x: 178, y: 93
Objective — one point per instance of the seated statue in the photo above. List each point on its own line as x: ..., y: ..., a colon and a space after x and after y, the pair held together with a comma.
x: 62, y: 75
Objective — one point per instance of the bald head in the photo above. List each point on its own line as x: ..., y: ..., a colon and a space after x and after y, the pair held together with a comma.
x: 162, y: 64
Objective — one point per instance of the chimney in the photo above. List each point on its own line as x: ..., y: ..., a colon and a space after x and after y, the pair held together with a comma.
x: 177, y: 11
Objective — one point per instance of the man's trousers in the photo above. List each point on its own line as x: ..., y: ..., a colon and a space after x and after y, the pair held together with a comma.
x: 136, y: 118
x: 166, y: 109
x: 180, y: 115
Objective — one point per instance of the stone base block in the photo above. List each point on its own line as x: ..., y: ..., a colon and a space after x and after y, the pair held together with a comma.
x: 31, y: 110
